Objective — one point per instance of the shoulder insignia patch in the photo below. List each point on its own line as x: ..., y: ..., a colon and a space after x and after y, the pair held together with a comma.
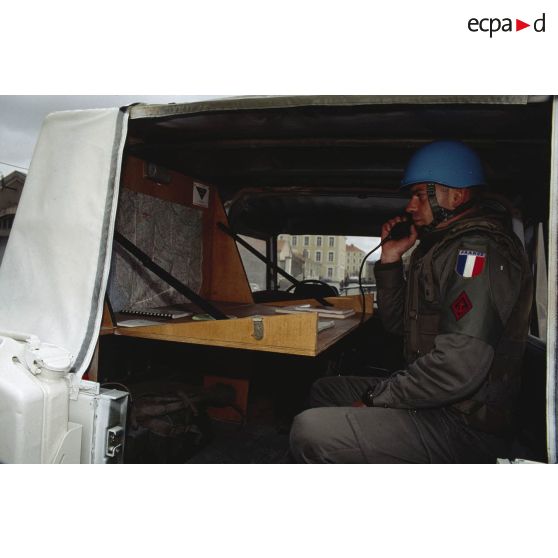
x: 461, y: 306
x: 470, y: 263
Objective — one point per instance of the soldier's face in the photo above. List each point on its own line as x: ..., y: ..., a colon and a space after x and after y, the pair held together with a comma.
x: 419, y: 206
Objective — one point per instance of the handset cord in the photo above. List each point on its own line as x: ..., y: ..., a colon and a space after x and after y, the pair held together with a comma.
x: 361, y: 288
x: 399, y: 230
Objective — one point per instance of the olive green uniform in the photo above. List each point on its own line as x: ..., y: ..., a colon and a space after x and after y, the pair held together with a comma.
x: 464, y: 334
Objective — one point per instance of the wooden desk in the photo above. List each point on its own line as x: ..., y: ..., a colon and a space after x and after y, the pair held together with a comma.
x: 282, y: 333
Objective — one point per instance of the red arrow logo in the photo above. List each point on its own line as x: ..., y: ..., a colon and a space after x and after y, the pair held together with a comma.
x: 519, y: 25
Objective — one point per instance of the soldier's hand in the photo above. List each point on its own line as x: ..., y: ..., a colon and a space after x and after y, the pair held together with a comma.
x: 392, y: 250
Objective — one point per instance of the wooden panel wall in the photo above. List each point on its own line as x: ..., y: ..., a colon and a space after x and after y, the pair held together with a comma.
x: 178, y: 191
x: 224, y: 277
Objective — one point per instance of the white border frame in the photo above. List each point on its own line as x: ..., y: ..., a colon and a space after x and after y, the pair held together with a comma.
x: 551, y: 358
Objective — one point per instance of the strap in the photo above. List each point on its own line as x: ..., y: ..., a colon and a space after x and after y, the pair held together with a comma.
x: 266, y: 260
x: 183, y: 289
x: 439, y: 213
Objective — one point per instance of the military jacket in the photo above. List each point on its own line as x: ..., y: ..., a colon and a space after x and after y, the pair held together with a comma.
x: 464, y: 312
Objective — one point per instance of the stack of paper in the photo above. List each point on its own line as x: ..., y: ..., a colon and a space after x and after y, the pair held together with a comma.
x: 323, y: 311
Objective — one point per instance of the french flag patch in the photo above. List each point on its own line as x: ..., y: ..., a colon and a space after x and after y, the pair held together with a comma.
x: 470, y: 263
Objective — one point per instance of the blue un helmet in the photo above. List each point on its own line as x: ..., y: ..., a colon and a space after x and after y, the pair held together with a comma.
x: 449, y: 163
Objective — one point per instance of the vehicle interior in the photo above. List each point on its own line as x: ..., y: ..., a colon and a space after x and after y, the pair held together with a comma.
x: 314, y: 166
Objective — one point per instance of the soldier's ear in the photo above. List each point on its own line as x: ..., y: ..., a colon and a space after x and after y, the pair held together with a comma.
x: 458, y: 196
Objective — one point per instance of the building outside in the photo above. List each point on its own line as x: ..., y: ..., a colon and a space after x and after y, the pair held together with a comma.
x: 10, y: 192
x: 290, y: 261
x: 323, y: 256
x: 354, y: 257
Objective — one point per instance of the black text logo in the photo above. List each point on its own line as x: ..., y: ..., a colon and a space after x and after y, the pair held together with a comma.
x: 493, y: 25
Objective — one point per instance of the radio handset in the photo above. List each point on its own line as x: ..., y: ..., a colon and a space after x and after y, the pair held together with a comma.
x: 399, y: 230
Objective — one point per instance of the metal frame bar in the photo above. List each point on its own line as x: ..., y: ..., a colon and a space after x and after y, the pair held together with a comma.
x: 552, y: 326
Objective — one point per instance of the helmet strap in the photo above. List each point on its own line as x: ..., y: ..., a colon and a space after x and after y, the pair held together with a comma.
x: 439, y: 213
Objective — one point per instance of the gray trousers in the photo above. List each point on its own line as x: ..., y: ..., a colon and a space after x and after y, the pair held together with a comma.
x: 335, y: 431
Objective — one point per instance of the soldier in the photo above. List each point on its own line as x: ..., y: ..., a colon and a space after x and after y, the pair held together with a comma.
x: 463, y: 310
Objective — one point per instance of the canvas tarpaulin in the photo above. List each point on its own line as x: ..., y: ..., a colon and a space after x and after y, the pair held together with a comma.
x: 55, y: 269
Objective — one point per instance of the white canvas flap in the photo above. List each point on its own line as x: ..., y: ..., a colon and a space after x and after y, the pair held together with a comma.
x: 55, y: 269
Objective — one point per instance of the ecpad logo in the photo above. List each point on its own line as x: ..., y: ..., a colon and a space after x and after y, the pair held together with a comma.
x: 494, y: 24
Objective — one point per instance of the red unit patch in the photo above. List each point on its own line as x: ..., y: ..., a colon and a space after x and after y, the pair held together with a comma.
x: 461, y: 306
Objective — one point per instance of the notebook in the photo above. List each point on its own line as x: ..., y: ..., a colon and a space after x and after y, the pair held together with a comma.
x: 163, y: 312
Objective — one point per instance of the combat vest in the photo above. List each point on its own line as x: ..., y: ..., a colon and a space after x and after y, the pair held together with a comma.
x: 490, y: 408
